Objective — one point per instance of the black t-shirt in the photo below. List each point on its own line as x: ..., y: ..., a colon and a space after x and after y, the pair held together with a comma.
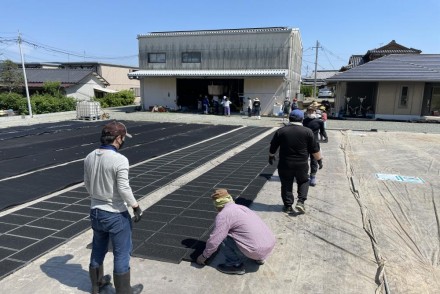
x: 316, y: 125
x: 256, y: 104
x: 296, y: 143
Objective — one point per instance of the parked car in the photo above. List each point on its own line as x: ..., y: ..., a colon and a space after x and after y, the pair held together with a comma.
x: 325, y: 93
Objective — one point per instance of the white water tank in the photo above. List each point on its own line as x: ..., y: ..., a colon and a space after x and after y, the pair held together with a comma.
x: 277, y: 109
x: 88, y: 110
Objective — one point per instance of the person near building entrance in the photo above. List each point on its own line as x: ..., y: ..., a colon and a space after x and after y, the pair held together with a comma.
x: 205, y: 103
x: 249, y: 106
x: 256, y: 106
x: 317, y: 127
x: 216, y: 103
x: 286, y: 108
x: 296, y: 143
x: 106, y: 180
x: 239, y: 232
x: 226, y: 106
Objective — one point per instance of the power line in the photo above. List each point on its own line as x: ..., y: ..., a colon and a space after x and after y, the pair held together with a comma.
x: 49, y: 48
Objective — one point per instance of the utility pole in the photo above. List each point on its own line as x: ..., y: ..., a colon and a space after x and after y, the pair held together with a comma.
x: 316, y: 68
x: 24, y: 75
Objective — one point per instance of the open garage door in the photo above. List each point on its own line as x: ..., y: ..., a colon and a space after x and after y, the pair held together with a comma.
x: 190, y: 91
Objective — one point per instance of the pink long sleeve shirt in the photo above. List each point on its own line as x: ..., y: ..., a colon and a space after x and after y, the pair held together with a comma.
x: 253, y: 237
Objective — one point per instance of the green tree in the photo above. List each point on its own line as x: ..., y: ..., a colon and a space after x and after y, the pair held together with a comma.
x: 11, y: 77
x: 52, y: 88
x: 307, y: 90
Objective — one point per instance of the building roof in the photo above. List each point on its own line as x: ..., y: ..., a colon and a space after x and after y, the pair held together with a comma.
x: 37, y: 76
x: 215, y: 32
x: 393, y: 48
x: 395, y: 67
x: 321, y: 76
x: 210, y: 73
x: 59, y: 64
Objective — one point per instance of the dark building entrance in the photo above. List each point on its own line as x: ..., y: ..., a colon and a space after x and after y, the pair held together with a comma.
x: 190, y: 91
x: 360, y: 99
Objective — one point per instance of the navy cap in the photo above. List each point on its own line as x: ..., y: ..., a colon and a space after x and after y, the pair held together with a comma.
x: 297, y: 114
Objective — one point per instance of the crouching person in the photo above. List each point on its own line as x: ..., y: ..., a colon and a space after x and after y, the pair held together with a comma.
x: 106, y: 180
x: 240, y: 233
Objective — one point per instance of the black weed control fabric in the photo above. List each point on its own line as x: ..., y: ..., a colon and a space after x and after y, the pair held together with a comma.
x: 54, y: 153
x: 30, y: 232
x: 178, y: 226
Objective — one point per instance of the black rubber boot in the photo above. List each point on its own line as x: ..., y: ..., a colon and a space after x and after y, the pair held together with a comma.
x: 98, y: 279
x: 123, y: 286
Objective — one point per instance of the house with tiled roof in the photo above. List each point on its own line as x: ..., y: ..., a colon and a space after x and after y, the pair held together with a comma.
x: 391, y: 48
x: 115, y: 75
x: 81, y: 84
x: 177, y: 68
x: 392, y: 87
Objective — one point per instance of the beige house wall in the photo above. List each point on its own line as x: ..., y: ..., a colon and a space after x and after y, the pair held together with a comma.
x: 388, y: 100
x: 159, y: 91
x: 84, y: 91
x: 265, y: 89
x: 117, y: 77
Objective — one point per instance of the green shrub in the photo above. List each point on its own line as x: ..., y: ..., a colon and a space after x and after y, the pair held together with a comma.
x: 45, y: 103
x: 121, y: 98
x: 13, y: 101
x: 40, y: 103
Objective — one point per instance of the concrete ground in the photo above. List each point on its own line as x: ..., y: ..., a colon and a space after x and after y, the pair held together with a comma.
x: 334, y: 248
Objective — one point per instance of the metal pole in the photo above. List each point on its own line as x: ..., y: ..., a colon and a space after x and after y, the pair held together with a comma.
x: 25, y: 78
x: 316, y: 68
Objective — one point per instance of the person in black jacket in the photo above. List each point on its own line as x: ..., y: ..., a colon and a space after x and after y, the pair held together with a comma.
x: 317, y: 127
x: 256, y: 106
x: 296, y: 144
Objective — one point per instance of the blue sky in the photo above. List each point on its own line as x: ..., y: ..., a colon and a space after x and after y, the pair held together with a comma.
x: 106, y: 30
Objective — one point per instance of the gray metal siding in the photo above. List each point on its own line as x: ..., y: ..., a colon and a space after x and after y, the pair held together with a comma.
x: 251, y: 50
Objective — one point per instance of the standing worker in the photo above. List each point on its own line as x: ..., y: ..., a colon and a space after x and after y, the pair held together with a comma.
x: 256, y: 105
x: 106, y: 180
x: 324, y: 118
x: 205, y: 103
x: 296, y: 143
x: 249, y: 106
x: 240, y: 232
x: 317, y: 127
x: 226, y: 106
x: 286, y: 108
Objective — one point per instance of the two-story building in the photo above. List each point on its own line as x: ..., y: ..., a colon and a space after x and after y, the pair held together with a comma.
x: 178, y: 68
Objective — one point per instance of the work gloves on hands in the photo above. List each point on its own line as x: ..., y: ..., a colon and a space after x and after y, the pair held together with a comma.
x: 137, y: 211
x: 201, y: 260
x: 272, y: 158
x: 320, y: 163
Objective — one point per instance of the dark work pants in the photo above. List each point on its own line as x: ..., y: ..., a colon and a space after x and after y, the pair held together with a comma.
x: 313, y: 166
x: 287, y: 177
x: 314, y: 163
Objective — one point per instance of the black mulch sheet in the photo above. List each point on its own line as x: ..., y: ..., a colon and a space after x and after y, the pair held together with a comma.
x: 34, y: 148
x: 187, y: 214
x: 46, y: 225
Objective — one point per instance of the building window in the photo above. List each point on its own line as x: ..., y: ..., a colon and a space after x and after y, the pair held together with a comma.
x: 191, y: 57
x: 403, y: 97
x: 157, y: 58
